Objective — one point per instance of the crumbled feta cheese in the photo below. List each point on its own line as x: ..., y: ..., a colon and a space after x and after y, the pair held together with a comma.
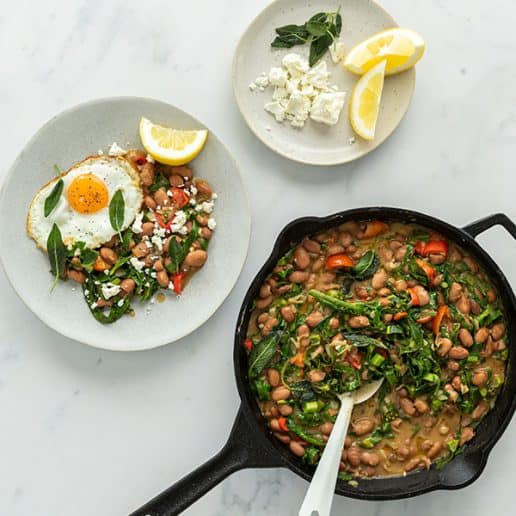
x: 253, y: 86
x: 277, y: 76
x: 327, y: 106
x: 120, y: 302
x: 337, y: 51
x: 153, y: 274
x: 352, y: 140
x: 116, y: 150
x: 100, y: 152
x: 137, y: 224
x: 207, y: 206
x: 297, y: 89
x: 262, y: 81
x: 159, y: 231
x: 211, y: 223
x: 276, y: 109
x: 93, y: 306
x: 193, y: 190
x: 109, y: 290
x: 178, y: 224
x: 192, y: 202
x: 214, y: 196
x: 137, y: 264
x: 156, y: 240
x: 77, y: 252
x: 170, y: 285
x: 150, y: 159
x: 86, y: 292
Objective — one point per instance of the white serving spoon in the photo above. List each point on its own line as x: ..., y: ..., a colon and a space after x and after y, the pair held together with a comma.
x: 319, y: 496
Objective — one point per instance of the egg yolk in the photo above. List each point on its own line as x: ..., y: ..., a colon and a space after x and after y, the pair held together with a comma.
x: 87, y: 194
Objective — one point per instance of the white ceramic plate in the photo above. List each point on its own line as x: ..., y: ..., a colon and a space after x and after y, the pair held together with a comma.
x: 315, y: 144
x: 70, y: 137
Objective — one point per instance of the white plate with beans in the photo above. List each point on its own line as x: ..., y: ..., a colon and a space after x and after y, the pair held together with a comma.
x: 69, y: 138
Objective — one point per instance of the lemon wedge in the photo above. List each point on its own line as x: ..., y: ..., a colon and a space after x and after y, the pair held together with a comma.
x: 401, y: 48
x: 171, y: 146
x: 365, y: 101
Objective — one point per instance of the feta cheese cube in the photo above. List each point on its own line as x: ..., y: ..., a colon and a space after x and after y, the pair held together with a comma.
x: 327, y: 106
x: 277, y: 76
x: 116, y: 150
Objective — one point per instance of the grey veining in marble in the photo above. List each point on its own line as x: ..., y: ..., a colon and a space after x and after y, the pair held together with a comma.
x: 86, y: 432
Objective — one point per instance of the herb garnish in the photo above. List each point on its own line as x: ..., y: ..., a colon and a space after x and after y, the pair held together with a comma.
x: 320, y: 31
x: 178, y: 250
x: 116, y: 212
x: 53, y: 198
x: 56, y: 253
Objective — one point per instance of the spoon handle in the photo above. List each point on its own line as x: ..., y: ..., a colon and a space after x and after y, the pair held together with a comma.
x: 319, y: 496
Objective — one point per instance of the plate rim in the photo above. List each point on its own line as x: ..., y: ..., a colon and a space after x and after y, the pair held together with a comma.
x: 156, y: 343
x: 293, y: 157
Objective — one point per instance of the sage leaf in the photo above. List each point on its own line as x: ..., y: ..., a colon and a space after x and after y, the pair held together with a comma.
x: 116, y: 212
x: 316, y: 28
x: 53, y: 198
x: 56, y: 253
x: 175, y: 251
x: 263, y: 353
x: 318, y: 48
x: 366, y: 266
x: 360, y: 340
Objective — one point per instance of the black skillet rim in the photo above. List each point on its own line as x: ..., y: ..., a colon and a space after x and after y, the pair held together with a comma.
x: 460, y: 472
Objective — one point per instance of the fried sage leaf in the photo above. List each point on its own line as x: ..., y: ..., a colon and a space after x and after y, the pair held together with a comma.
x: 53, y: 198
x: 262, y: 353
x: 117, y: 211
x: 56, y: 253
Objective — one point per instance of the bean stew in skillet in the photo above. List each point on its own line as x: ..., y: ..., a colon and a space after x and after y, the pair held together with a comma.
x: 368, y: 300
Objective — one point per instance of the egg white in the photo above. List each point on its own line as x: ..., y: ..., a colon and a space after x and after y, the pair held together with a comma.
x: 93, y: 229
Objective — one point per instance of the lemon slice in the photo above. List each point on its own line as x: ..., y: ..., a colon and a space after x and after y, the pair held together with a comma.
x: 365, y: 101
x: 401, y: 48
x: 171, y: 146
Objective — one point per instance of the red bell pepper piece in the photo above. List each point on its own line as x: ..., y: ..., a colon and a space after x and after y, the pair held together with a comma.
x: 248, y: 344
x: 337, y: 261
x: 177, y: 282
x: 442, y: 312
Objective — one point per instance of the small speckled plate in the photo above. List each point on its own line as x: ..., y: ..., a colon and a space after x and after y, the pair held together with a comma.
x: 70, y: 137
x: 316, y: 143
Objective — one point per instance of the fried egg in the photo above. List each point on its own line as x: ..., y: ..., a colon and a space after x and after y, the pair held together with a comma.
x: 82, y: 211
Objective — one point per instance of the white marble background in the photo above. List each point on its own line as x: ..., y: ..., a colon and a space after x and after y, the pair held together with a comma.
x: 85, y: 432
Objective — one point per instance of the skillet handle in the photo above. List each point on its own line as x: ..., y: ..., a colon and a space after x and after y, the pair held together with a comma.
x: 239, y: 452
x: 479, y: 226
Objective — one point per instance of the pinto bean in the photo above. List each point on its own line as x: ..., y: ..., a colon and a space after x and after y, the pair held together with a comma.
x: 473, y: 267
x: 422, y: 295
x: 315, y: 375
x: 437, y: 258
x: 280, y: 393
x: 435, y: 450
x: 273, y: 377
x: 379, y: 279
x: 140, y: 250
x: 498, y: 331
x: 421, y: 406
x: 455, y: 292
x: 298, y: 276
x: 413, y: 464
x: 456, y: 383
x: 75, y: 275
x: 400, y: 253
x: 479, y: 377
x: 335, y: 249
x: 358, y: 321
x: 465, y: 338
x: 285, y: 410
x: 161, y: 197
x: 127, y: 285
x: 284, y: 438
x: 458, y: 353
x: 466, y: 435
x: 400, y: 285
x: 288, y: 313
x: 303, y: 331
x: 463, y: 305
x: 301, y: 258
x: 147, y: 174
x: 370, y: 458
x: 318, y: 264
x: 362, y: 426
x: 265, y: 291
x: 481, y: 335
x: 108, y: 255
x: 162, y: 278
x: 183, y: 171
x: 326, y: 428
x: 176, y: 180
x: 354, y: 455
x: 408, y: 406
x: 101, y: 303
x: 264, y: 303
x: 206, y: 233
x: 196, y: 258
x: 203, y: 187
x: 481, y: 408
x: 312, y: 246
x: 314, y: 319
x: 474, y: 307
x: 297, y: 448
x: 149, y: 202
x: 147, y: 228
x: 453, y: 365
x: 491, y: 295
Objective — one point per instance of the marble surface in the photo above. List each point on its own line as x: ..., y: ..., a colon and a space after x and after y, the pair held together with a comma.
x: 87, y: 432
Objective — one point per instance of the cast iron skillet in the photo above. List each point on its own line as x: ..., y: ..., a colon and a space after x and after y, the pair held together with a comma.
x: 250, y: 444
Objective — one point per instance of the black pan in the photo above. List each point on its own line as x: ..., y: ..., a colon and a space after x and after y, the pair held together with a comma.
x: 250, y: 444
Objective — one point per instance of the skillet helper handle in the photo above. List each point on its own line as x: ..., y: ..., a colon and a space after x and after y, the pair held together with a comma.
x: 497, y: 219
x: 238, y: 453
